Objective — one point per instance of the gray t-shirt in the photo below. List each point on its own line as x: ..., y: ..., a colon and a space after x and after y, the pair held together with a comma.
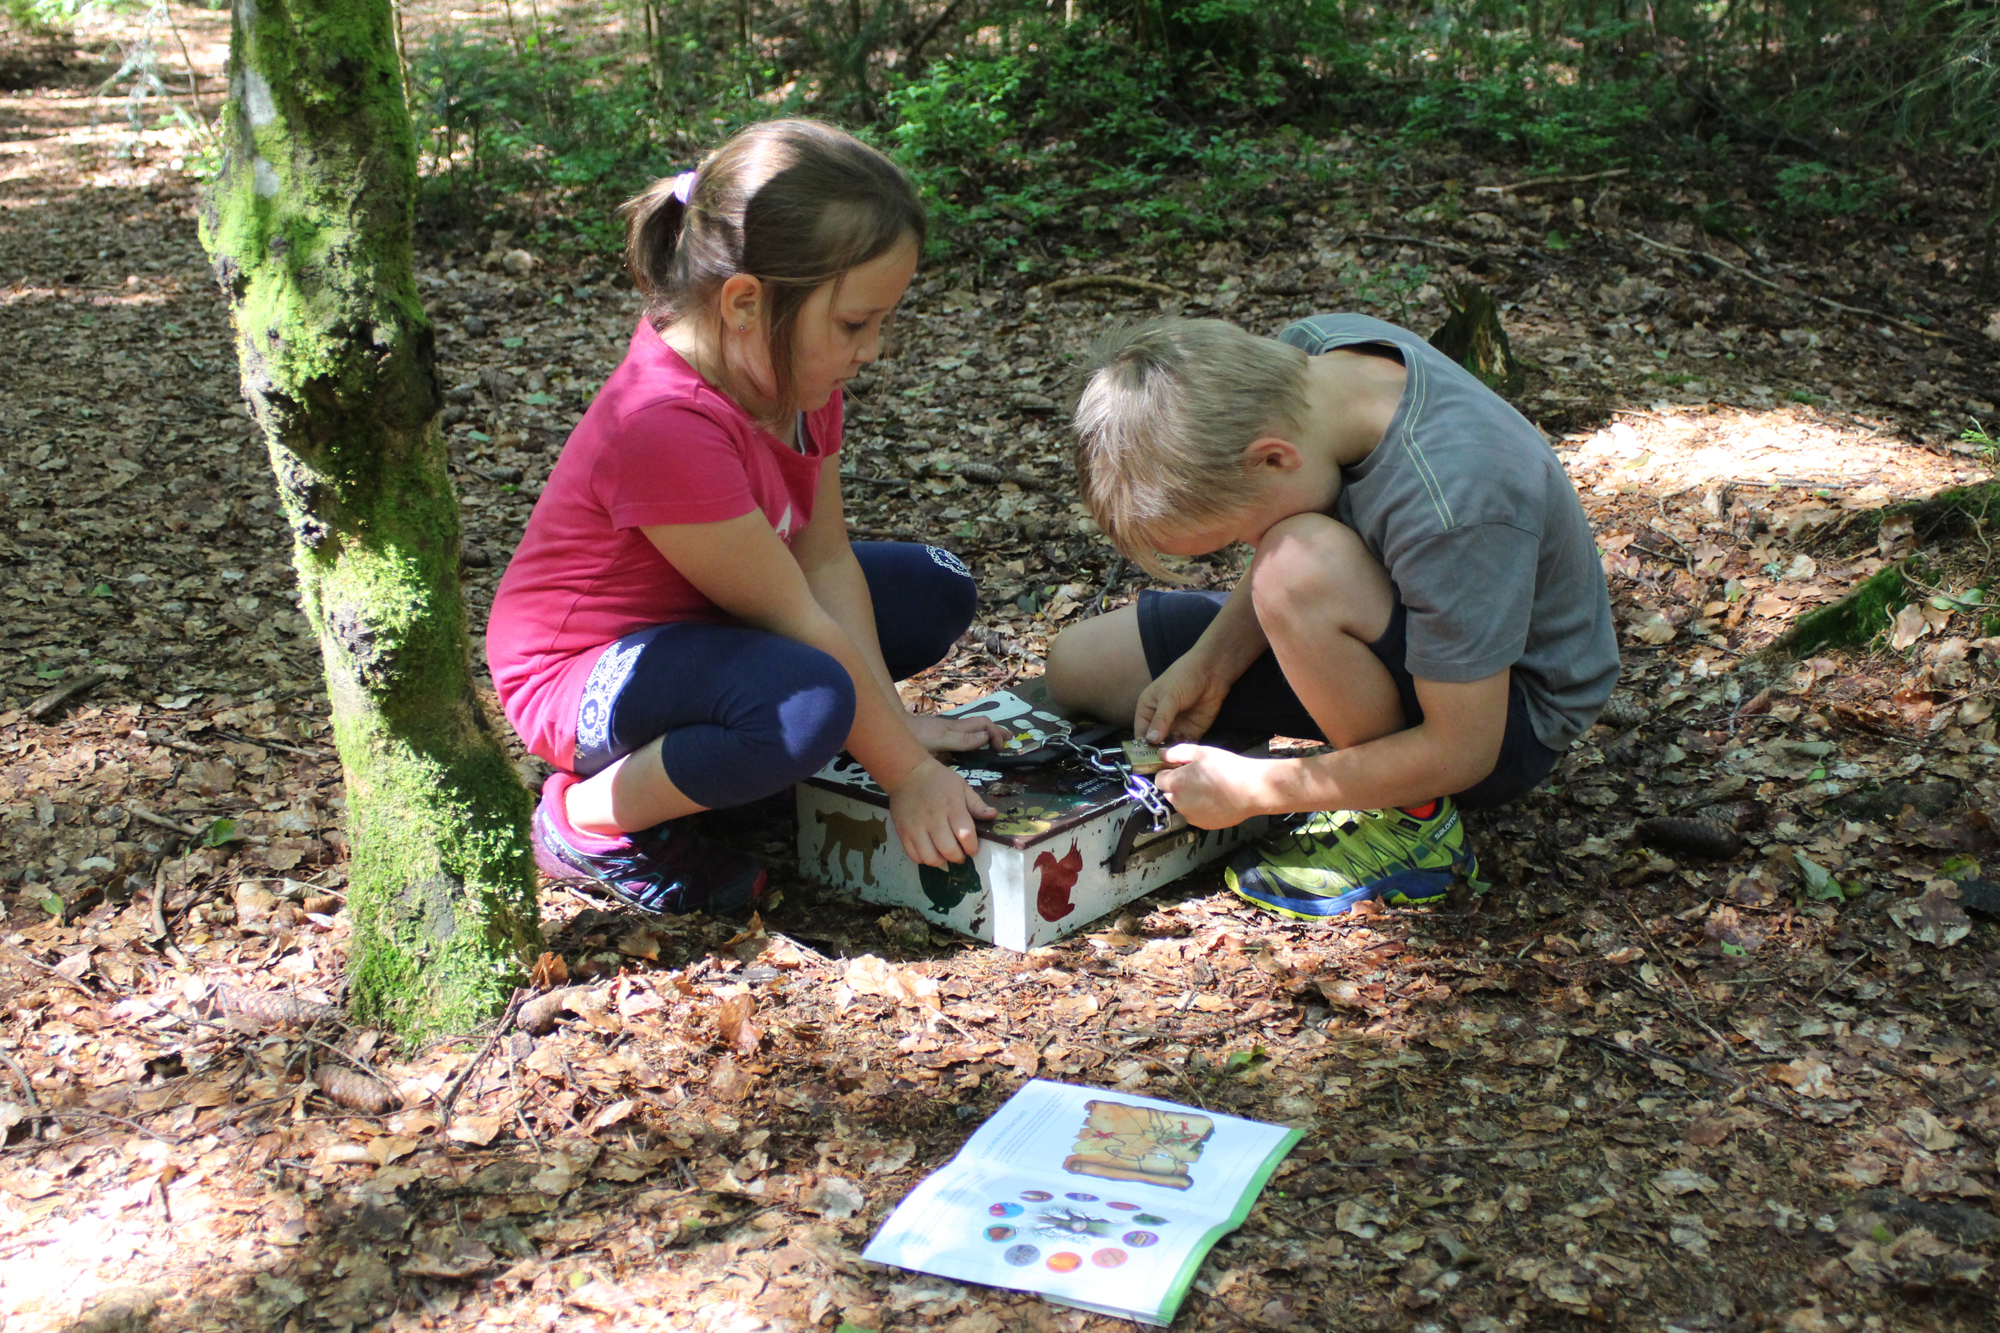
x: 1467, y: 507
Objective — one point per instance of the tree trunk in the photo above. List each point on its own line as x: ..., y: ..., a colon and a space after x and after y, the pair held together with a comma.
x: 309, y: 228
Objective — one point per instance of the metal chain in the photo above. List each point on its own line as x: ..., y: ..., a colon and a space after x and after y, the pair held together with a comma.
x: 1137, y: 786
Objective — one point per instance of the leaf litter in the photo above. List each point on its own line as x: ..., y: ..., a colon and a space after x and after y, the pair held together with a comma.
x: 1718, y: 1050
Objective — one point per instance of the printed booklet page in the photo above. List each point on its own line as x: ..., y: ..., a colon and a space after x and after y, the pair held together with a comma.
x: 1094, y: 1198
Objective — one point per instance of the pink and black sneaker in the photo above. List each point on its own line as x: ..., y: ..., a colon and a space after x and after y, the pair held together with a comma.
x: 667, y: 868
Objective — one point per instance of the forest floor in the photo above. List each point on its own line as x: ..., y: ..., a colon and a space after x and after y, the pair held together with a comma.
x: 1631, y: 1084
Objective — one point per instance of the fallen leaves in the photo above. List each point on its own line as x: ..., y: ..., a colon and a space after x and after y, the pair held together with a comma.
x: 870, y: 975
x: 1933, y: 917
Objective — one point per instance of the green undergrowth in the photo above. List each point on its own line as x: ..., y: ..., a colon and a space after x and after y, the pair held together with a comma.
x: 1042, y: 134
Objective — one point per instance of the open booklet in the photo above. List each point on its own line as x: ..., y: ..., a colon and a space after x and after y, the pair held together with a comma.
x: 1096, y: 1199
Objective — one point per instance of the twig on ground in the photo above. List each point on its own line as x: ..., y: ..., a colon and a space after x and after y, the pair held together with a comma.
x: 156, y: 919
x: 27, y: 1087
x: 1762, y: 281
x: 41, y: 709
x: 1115, y: 281
x: 1150, y: 1060
x: 1540, y: 181
x: 892, y: 483
x: 450, y: 1096
x: 1446, y: 246
x: 76, y: 1112
x: 40, y: 966
x: 261, y: 743
x: 1111, y: 582
x: 1866, y: 954
x: 161, y: 821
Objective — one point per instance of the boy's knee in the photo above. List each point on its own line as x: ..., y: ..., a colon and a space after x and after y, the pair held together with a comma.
x: 1064, y: 671
x: 1315, y: 566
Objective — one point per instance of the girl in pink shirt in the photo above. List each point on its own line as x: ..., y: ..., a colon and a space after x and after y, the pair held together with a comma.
x: 685, y: 624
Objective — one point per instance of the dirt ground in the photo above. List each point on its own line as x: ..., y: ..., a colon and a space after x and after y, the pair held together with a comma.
x: 1734, y: 1075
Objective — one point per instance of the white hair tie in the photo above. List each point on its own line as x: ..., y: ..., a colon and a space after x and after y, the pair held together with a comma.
x: 684, y: 187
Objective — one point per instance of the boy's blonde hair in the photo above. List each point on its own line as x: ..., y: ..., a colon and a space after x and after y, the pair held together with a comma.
x: 1164, y: 419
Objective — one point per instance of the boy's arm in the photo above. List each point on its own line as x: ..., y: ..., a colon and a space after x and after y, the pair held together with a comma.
x: 1456, y: 745
x: 1182, y: 702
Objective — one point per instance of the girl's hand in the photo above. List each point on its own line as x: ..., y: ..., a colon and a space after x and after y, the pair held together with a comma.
x: 933, y: 809
x: 1181, y: 703
x: 936, y: 731
x: 1214, y: 788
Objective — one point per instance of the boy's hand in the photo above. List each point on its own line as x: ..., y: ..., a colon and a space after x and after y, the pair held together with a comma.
x: 933, y: 809
x: 1181, y: 703
x: 1214, y: 788
x: 937, y: 731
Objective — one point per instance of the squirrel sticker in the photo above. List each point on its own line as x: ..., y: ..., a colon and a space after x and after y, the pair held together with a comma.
x: 1052, y: 900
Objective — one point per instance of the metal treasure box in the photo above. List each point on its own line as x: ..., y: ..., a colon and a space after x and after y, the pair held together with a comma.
x: 1075, y: 840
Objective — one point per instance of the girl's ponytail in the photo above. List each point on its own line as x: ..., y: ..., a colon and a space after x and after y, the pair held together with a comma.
x: 653, y: 223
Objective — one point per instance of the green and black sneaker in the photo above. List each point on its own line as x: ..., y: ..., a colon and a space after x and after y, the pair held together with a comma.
x: 1337, y: 858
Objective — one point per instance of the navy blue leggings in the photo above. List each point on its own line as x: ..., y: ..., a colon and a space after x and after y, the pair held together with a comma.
x: 745, y: 712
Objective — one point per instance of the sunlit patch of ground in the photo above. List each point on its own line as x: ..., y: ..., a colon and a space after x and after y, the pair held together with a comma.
x: 1664, y: 451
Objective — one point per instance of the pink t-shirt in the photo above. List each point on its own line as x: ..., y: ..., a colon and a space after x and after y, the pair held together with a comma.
x: 657, y: 446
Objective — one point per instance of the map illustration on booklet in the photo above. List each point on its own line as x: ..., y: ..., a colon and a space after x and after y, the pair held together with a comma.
x: 1097, y: 1199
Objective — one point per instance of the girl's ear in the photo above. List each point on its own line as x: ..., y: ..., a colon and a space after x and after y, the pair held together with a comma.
x: 741, y: 302
x: 1269, y: 454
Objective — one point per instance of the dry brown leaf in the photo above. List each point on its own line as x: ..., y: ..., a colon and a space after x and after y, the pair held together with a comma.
x: 621, y: 1109
x: 640, y: 942
x: 733, y: 1022
x: 549, y: 972
x: 475, y: 1129
x: 1649, y: 626
x: 466, y: 1258
x: 1808, y: 1075
x: 869, y: 975
x: 1934, y: 916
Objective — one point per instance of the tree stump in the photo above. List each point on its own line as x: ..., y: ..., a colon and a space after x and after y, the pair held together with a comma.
x: 1473, y: 337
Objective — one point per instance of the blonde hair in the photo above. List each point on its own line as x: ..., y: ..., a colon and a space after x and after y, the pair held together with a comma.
x: 1164, y: 420
x: 795, y: 203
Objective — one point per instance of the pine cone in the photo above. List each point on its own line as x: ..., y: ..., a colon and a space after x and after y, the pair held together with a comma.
x: 1690, y: 837
x: 1622, y: 710
x: 1739, y: 815
x: 356, y: 1091
x: 272, y: 1009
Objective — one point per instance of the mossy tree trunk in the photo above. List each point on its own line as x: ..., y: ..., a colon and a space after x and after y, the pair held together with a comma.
x: 309, y: 229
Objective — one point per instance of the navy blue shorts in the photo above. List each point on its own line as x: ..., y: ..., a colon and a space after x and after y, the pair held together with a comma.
x: 1262, y: 703
x: 744, y: 712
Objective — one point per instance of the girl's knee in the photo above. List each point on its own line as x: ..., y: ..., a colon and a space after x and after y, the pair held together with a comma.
x: 812, y: 724
x: 806, y: 713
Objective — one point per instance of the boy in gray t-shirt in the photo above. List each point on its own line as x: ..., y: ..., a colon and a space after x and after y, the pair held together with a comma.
x: 1425, y: 596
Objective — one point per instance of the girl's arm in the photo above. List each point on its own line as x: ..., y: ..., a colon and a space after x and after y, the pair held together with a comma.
x: 834, y: 575
x: 741, y: 566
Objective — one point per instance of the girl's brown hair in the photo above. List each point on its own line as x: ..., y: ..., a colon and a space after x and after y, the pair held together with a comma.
x: 794, y: 203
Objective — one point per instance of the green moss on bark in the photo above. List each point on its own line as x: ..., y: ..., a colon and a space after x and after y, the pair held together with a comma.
x: 309, y: 227
x: 1852, y: 621
x: 1856, y: 619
